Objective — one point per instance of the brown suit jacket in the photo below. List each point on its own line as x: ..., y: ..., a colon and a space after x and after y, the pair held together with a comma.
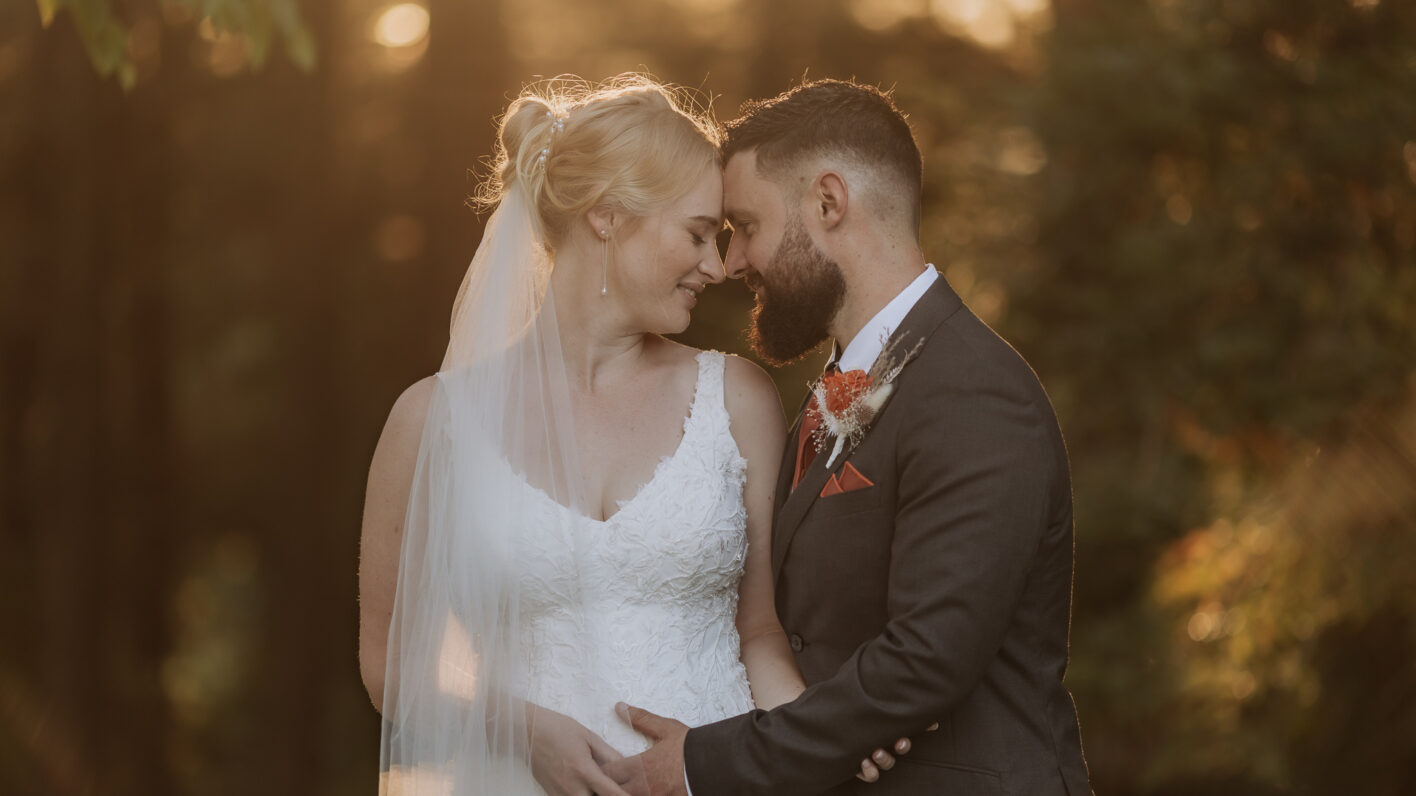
x: 941, y: 593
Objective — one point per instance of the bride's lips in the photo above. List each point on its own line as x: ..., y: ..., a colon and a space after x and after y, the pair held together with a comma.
x: 692, y: 290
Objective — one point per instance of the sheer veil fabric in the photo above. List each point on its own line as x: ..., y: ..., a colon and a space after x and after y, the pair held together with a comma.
x: 497, y: 440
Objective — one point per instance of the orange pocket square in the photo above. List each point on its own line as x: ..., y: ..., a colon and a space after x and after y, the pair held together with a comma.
x: 849, y: 480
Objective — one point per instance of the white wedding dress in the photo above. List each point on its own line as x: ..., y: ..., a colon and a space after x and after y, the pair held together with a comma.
x: 645, y: 611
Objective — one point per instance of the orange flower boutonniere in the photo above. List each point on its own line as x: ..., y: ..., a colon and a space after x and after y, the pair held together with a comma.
x: 847, y: 402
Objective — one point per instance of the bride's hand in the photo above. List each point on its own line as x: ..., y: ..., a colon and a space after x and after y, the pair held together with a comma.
x: 881, y: 760
x: 566, y: 757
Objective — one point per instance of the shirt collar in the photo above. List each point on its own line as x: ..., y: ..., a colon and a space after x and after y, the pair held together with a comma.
x: 866, y: 346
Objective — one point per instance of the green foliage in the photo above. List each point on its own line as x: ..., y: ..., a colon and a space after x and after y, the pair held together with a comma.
x: 1225, y: 286
x: 104, y: 37
x: 257, y: 22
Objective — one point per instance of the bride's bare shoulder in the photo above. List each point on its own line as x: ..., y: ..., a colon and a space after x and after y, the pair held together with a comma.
x: 411, y: 408
x: 751, y: 396
x: 748, y: 374
x: 397, y: 449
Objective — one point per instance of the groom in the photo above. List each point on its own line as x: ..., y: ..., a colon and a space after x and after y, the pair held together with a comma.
x: 924, y: 570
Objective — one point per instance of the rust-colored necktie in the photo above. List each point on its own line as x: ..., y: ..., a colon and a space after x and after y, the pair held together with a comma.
x: 806, y: 451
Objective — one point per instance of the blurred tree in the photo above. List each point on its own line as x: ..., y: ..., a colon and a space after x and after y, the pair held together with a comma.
x: 88, y: 369
x: 108, y: 39
x: 1225, y: 284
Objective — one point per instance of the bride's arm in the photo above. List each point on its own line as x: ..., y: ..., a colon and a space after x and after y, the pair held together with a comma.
x: 381, y: 537
x: 760, y: 433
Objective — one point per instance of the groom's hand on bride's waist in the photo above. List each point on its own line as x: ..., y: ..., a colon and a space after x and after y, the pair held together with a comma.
x: 658, y: 771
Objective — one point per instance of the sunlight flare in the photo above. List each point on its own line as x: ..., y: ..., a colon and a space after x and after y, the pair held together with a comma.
x: 457, y: 662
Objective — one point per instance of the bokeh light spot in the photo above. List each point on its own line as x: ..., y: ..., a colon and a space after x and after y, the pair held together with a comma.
x: 1243, y: 686
x: 402, y: 25
x: 226, y: 52
x: 1202, y: 625
x: 399, y: 238
x: 1179, y: 209
x: 885, y: 14
x: 1020, y: 152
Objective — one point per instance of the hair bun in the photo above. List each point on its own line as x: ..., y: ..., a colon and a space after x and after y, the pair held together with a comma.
x: 526, y: 123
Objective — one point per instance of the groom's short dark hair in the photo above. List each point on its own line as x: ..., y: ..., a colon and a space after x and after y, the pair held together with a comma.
x: 829, y: 116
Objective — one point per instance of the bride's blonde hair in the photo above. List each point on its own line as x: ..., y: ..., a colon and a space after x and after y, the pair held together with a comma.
x: 630, y: 143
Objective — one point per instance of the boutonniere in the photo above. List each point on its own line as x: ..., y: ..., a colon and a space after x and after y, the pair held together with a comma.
x: 847, y: 402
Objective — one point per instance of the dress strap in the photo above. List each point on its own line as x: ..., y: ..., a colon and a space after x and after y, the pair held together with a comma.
x: 709, y: 395
x: 708, y: 423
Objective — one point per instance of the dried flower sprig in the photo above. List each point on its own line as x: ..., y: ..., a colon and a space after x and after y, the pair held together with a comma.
x: 847, y: 402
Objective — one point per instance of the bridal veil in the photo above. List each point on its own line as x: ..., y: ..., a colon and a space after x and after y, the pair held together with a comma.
x: 498, y: 437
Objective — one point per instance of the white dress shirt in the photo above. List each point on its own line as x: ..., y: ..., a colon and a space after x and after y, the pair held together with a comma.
x: 866, y: 346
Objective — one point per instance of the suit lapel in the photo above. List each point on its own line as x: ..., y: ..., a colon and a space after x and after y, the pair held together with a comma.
x: 784, y: 473
x: 796, y: 505
x: 937, y: 304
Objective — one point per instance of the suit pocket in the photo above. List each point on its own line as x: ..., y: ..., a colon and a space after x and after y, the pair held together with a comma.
x: 927, y: 776
x: 851, y: 502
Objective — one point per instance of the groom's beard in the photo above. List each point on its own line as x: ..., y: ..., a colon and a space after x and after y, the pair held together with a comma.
x: 795, y: 305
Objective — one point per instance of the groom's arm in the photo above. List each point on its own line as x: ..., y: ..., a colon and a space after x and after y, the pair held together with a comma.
x: 976, y: 470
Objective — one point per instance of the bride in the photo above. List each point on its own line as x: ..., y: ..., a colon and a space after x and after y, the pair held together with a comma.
x: 574, y: 511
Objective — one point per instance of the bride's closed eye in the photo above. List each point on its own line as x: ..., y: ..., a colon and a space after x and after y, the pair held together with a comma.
x: 703, y: 235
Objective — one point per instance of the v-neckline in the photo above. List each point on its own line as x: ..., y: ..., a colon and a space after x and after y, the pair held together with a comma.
x: 662, y: 465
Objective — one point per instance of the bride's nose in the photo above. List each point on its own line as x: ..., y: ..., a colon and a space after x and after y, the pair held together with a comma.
x: 712, y: 268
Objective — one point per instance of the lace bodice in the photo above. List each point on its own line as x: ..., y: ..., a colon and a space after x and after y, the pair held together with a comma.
x: 641, y: 607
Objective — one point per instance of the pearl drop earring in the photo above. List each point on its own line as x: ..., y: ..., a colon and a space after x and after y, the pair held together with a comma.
x: 604, y: 262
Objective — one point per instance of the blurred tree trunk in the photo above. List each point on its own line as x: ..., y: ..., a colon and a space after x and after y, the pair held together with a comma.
x: 22, y: 226
x: 301, y: 646
x: 96, y: 425
x: 470, y: 83
x: 61, y: 427
x: 136, y: 447
x: 310, y: 555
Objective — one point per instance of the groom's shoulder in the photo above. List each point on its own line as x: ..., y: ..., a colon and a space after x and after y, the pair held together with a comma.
x: 965, y: 354
x: 950, y: 335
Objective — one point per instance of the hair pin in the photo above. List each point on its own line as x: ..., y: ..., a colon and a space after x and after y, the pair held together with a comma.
x: 557, y: 125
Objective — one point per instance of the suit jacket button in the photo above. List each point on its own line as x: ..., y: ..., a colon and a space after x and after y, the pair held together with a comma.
x: 796, y: 643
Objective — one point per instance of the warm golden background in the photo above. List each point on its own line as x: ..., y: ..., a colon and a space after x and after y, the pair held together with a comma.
x: 227, y: 245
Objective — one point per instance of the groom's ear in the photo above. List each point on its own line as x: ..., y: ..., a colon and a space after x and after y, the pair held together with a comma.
x: 832, y: 198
